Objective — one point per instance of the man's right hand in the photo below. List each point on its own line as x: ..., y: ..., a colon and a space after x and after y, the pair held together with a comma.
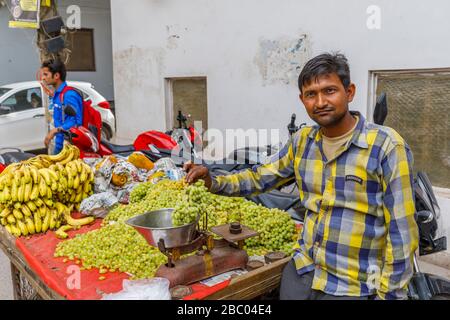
x: 197, y: 172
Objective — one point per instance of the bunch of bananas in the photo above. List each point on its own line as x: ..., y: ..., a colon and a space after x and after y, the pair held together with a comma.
x: 38, y: 194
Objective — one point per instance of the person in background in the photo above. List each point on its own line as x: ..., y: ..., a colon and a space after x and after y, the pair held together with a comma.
x: 54, y: 74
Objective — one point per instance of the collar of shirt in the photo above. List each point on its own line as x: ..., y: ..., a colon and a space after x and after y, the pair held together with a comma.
x: 58, y: 91
x: 359, y: 137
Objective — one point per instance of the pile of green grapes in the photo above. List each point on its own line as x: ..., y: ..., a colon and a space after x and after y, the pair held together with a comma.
x: 117, y: 246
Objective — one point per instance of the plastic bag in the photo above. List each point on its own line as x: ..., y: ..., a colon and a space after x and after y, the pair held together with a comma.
x: 165, y: 164
x: 146, y: 289
x: 98, y: 205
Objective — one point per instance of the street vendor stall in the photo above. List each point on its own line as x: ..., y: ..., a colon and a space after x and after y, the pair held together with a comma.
x: 75, y: 229
x: 48, y: 276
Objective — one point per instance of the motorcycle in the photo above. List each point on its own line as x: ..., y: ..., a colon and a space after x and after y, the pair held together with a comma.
x: 157, y: 142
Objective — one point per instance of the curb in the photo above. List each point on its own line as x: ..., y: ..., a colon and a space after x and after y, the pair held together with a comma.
x: 440, y: 259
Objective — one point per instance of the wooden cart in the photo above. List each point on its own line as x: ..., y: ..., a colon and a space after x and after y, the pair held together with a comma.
x: 244, y: 287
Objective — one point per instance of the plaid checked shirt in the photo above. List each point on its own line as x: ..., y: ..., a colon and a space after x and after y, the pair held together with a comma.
x: 359, y: 233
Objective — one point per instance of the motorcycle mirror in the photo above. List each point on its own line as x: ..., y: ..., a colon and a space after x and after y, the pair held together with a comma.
x: 381, y: 110
x: 425, y: 216
x: 70, y: 111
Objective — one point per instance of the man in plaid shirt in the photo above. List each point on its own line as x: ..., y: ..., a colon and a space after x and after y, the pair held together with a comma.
x: 355, y: 180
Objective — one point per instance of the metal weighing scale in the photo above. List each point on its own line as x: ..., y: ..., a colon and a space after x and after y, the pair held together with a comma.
x: 209, y: 256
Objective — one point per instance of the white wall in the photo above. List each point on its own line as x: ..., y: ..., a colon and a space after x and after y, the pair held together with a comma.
x: 250, y: 85
x: 19, y: 57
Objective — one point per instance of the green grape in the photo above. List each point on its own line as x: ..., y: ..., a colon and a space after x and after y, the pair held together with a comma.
x: 116, y: 246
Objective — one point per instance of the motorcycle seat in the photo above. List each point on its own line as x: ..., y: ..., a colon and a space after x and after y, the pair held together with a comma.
x: 14, y: 157
x: 118, y: 148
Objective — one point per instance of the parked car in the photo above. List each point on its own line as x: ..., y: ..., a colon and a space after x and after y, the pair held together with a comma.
x: 22, y: 116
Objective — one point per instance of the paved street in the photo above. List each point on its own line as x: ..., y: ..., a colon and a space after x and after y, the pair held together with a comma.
x: 5, y: 278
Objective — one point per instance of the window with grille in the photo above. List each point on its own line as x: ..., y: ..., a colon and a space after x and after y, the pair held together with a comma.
x: 419, y: 109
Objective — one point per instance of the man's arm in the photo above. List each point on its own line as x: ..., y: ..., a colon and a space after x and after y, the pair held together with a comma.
x: 252, y: 181
x: 74, y: 100
x: 402, y: 231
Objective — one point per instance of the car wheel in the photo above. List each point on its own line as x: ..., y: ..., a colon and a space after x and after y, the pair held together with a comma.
x: 106, y: 132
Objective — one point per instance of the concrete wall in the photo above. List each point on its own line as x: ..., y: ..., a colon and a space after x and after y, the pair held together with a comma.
x: 19, y: 58
x: 252, y: 51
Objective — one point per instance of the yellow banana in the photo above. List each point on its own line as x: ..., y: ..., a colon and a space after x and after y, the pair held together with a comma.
x: 54, y: 186
x: 61, y: 232
x: 83, y: 175
x: 3, y: 221
x: 8, y: 178
x: 76, y: 182
x: 53, y: 220
x: 14, y: 190
x: 17, y: 205
x: 63, y: 182
x: 79, y: 165
x: 70, y: 181
x: 60, y: 156
x: 17, y: 176
x: 23, y: 228
x: 26, y: 174
x: 46, y: 176
x: 79, y: 197
x: 37, y: 222
x: 35, y: 192
x: 26, y: 211
x: 86, y: 187
x: 72, y: 197
x: 49, y: 193
x: 53, y: 174
x: 61, y: 168
x: 69, y: 170
x: 38, y: 202
x: 49, y: 203
x: 30, y: 226
x: 43, y: 211
x: 15, y: 231
x: 77, y: 222
x: 60, y: 208
x: 6, y: 194
x: 43, y: 188
x: 34, y: 174
x: 69, y: 157
x: 8, y: 228
x: 11, y: 219
x: 21, y: 192
x: 17, y: 214
x: 27, y: 191
x: 79, y: 189
x: 5, y: 213
x: 46, y: 222
x: 32, y: 206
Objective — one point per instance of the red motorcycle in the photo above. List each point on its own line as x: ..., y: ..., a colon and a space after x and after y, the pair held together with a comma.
x: 156, y: 144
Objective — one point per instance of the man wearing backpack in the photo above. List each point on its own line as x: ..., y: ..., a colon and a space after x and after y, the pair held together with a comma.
x: 54, y: 74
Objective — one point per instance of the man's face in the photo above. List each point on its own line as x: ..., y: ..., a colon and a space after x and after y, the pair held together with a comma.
x: 326, y: 100
x: 48, y: 77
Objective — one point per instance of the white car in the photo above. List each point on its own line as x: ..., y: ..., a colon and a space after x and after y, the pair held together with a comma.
x: 22, y: 117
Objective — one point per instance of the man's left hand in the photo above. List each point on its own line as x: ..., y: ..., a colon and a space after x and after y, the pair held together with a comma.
x: 50, y: 136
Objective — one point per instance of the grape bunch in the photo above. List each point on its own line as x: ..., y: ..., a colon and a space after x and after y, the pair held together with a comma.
x: 119, y: 247
x: 115, y: 247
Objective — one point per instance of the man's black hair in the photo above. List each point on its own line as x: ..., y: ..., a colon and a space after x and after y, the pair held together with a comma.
x: 326, y: 63
x: 56, y: 66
